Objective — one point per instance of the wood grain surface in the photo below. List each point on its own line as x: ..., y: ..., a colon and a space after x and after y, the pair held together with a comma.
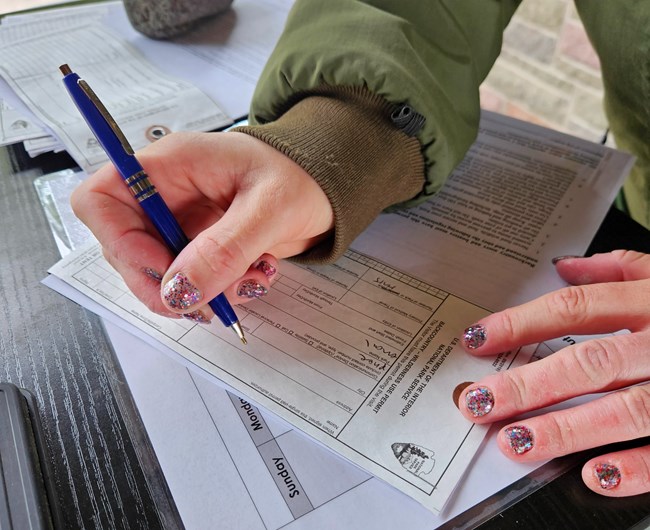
x: 105, y: 472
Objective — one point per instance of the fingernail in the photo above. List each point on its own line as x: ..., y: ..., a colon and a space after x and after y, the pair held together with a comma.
x: 180, y: 293
x: 608, y: 476
x: 251, y: 289
x: 479, y: 401
x: 520, y: 439
x: 197, y: 316
x: 153, y: 274
x: 560, y: 258
x: 474, y: 336
x: 265, y: 267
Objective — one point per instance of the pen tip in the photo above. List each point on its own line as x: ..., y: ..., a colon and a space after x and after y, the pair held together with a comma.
x: 239, y: 331
x: 65, y: 69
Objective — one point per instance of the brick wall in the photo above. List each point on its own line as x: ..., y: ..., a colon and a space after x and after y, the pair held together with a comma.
x: 548, y: 72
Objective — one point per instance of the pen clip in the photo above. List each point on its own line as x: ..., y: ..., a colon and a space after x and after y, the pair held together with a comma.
x: 106, y: 115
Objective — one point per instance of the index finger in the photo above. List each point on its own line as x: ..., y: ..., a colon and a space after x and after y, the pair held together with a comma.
x: 585, y: 310
x: 615, y: 295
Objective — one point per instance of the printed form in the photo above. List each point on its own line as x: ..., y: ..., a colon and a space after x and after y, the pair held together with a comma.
x: 141, y: 98
x: 232, y: 478
x: 199, y: 82
x: 363, y: 355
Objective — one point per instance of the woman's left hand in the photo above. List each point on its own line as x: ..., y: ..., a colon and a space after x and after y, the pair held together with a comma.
x: 609, y: 292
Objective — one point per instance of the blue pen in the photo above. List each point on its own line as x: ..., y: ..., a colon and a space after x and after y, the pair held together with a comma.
x: 118, y: 149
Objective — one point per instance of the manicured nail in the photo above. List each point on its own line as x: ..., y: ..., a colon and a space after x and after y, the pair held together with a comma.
x: 560, y: 258
x: 180, y: 293
x: 197, y: 316
x: 474, y: 336
x: 268, y: 269
x: 251, y: 289
x: 608, y: 476
x: 153, y: 274
x: 479, y: 401
x: 520, y: 439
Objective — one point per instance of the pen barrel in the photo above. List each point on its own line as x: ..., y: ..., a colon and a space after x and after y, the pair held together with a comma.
x: 224, y: 311
x: 176, y: 240
x: 164, y: 221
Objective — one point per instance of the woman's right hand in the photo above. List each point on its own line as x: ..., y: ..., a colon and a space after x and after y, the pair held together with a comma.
x: 243, y: 204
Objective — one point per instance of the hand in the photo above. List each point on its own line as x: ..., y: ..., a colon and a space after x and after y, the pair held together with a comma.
x: 611, y: 292
x: 243, y: 204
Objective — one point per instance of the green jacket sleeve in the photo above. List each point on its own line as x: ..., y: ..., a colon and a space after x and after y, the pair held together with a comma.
x: 429, y: 54
x: 623, y: 48
x: 344, y: 138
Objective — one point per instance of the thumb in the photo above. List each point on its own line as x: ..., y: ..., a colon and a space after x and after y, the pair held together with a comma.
x: 216, y: 258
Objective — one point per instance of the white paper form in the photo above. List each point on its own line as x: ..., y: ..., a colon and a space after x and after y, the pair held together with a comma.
x: 341, y: 495
x: 18, y: 123
x: 201, y: 455
x: 260, y: 472
x: 15, y: 127
x: 223, y: 58
x: 360, y: 356
x: 522, y: 196
x: 247, y: 469
x: 40, y: 138
x: 141, y: 98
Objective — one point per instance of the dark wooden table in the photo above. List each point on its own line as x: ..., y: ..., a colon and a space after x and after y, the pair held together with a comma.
x: 105, y: 471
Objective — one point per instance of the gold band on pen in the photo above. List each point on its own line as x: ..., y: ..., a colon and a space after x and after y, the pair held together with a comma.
x: 140, y: 186
x: 135, y: 177
x: 144, y: 196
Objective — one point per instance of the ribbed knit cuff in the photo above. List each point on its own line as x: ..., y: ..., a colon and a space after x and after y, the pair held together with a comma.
x: 344, y: 138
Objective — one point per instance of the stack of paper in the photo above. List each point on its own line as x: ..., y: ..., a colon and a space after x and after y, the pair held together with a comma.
x: 198, y: 83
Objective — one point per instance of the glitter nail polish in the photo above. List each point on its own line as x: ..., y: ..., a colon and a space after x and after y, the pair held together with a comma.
x: 479, y: 401
x: 608, y: 476
x: 153, y: 274
x: 180, y: 293
x: 197, y: 316
x: 474, y: 336
x: 251, y: 289
x: 265, y: 267
x: 520, y: 439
